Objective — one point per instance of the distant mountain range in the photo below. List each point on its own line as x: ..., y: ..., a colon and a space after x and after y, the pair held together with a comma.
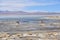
x: 27, y: 13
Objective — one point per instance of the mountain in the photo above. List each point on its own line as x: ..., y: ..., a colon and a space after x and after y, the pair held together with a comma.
x: 13, y: 12
x: 27, y: 13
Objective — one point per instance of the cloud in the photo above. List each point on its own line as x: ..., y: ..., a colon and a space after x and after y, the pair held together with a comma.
x: 21, y: 4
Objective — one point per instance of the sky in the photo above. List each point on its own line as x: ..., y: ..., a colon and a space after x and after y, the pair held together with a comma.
x: 30, y: 5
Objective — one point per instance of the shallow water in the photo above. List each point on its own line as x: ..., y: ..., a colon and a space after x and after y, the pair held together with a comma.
x: 26, y: 24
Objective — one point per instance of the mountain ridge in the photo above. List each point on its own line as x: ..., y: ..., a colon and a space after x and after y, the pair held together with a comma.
x: 26, y: 13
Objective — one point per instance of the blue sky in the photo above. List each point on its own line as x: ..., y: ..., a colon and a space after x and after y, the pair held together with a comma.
x: 30, y: 5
